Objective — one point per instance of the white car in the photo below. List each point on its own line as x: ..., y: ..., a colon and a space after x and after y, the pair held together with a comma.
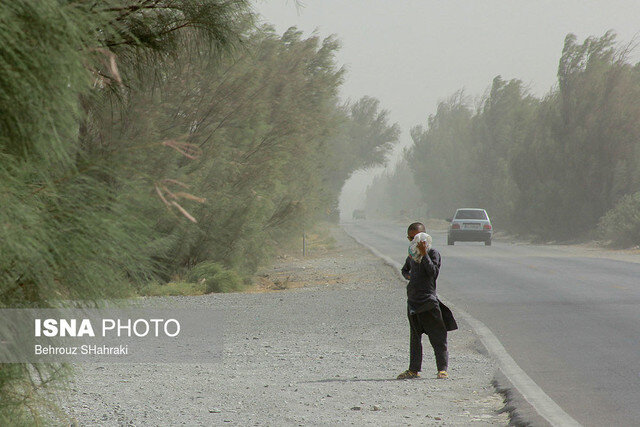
x: 470, y: 225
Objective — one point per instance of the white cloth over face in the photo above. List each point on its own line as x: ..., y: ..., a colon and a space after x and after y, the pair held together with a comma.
x: 413, y: 247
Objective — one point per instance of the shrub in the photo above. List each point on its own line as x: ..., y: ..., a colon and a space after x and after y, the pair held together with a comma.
x: 216, y: 277
x: 155, y: 289
x: 621, y: 225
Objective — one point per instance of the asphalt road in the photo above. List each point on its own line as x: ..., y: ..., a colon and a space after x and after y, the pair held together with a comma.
x: 570, y: 317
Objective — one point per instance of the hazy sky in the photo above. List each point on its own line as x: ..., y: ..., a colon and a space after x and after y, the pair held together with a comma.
x: 412, y: 53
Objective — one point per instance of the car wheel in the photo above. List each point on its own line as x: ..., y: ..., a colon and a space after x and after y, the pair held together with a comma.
x: 487, y: 242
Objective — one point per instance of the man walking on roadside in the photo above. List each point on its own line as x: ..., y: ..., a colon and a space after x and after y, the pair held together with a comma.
x: 426, y: 312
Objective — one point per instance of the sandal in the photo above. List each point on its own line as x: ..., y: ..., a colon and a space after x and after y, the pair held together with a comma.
x: 408, y: 374
x: 442, y: 374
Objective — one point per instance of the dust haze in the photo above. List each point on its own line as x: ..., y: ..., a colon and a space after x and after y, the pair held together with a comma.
x: 425, y: 59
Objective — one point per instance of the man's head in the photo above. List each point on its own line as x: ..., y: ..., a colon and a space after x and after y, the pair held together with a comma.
x: 415, y: 228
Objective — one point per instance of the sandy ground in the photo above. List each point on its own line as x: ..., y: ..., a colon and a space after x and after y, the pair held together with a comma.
x: 319, y: 341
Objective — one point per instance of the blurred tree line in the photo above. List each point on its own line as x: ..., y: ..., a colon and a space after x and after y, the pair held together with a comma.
x: 562, y: 168
x: 394, y: 194
x: 142, y: 138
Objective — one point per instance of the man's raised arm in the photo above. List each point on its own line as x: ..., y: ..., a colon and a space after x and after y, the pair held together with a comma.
x: 432, y: 265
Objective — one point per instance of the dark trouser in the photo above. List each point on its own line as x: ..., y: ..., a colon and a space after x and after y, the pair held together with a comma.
x: 428, y: 322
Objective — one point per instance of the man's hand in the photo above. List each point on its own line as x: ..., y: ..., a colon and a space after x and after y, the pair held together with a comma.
x: 422, y: 247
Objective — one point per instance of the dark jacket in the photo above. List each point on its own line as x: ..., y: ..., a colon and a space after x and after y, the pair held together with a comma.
x: 421, y: 289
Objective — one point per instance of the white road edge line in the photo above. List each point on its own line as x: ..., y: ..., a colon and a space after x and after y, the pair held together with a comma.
x: 537, y: 398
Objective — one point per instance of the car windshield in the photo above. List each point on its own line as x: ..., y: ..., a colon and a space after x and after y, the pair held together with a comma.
x: 471, y: 214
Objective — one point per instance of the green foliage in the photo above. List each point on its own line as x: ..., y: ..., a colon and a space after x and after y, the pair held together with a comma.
x: 581, y: 154
x: 70, y: 222
x: 143, y: 138
x: 155, y: 289
x: 438, y: 154
x: 215, y: 277
x: 41, y: 75
x: 463, y: 157
x: 20, y: 385
x: 549, y: 168
x: 621, y: 225
x: 276, y: 145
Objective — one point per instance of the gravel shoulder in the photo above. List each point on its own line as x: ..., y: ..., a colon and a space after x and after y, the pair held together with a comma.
x: 318, y: 341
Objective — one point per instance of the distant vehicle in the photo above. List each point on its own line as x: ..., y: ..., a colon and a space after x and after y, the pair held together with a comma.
x: 470, y: 225
x: 359, y: 214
